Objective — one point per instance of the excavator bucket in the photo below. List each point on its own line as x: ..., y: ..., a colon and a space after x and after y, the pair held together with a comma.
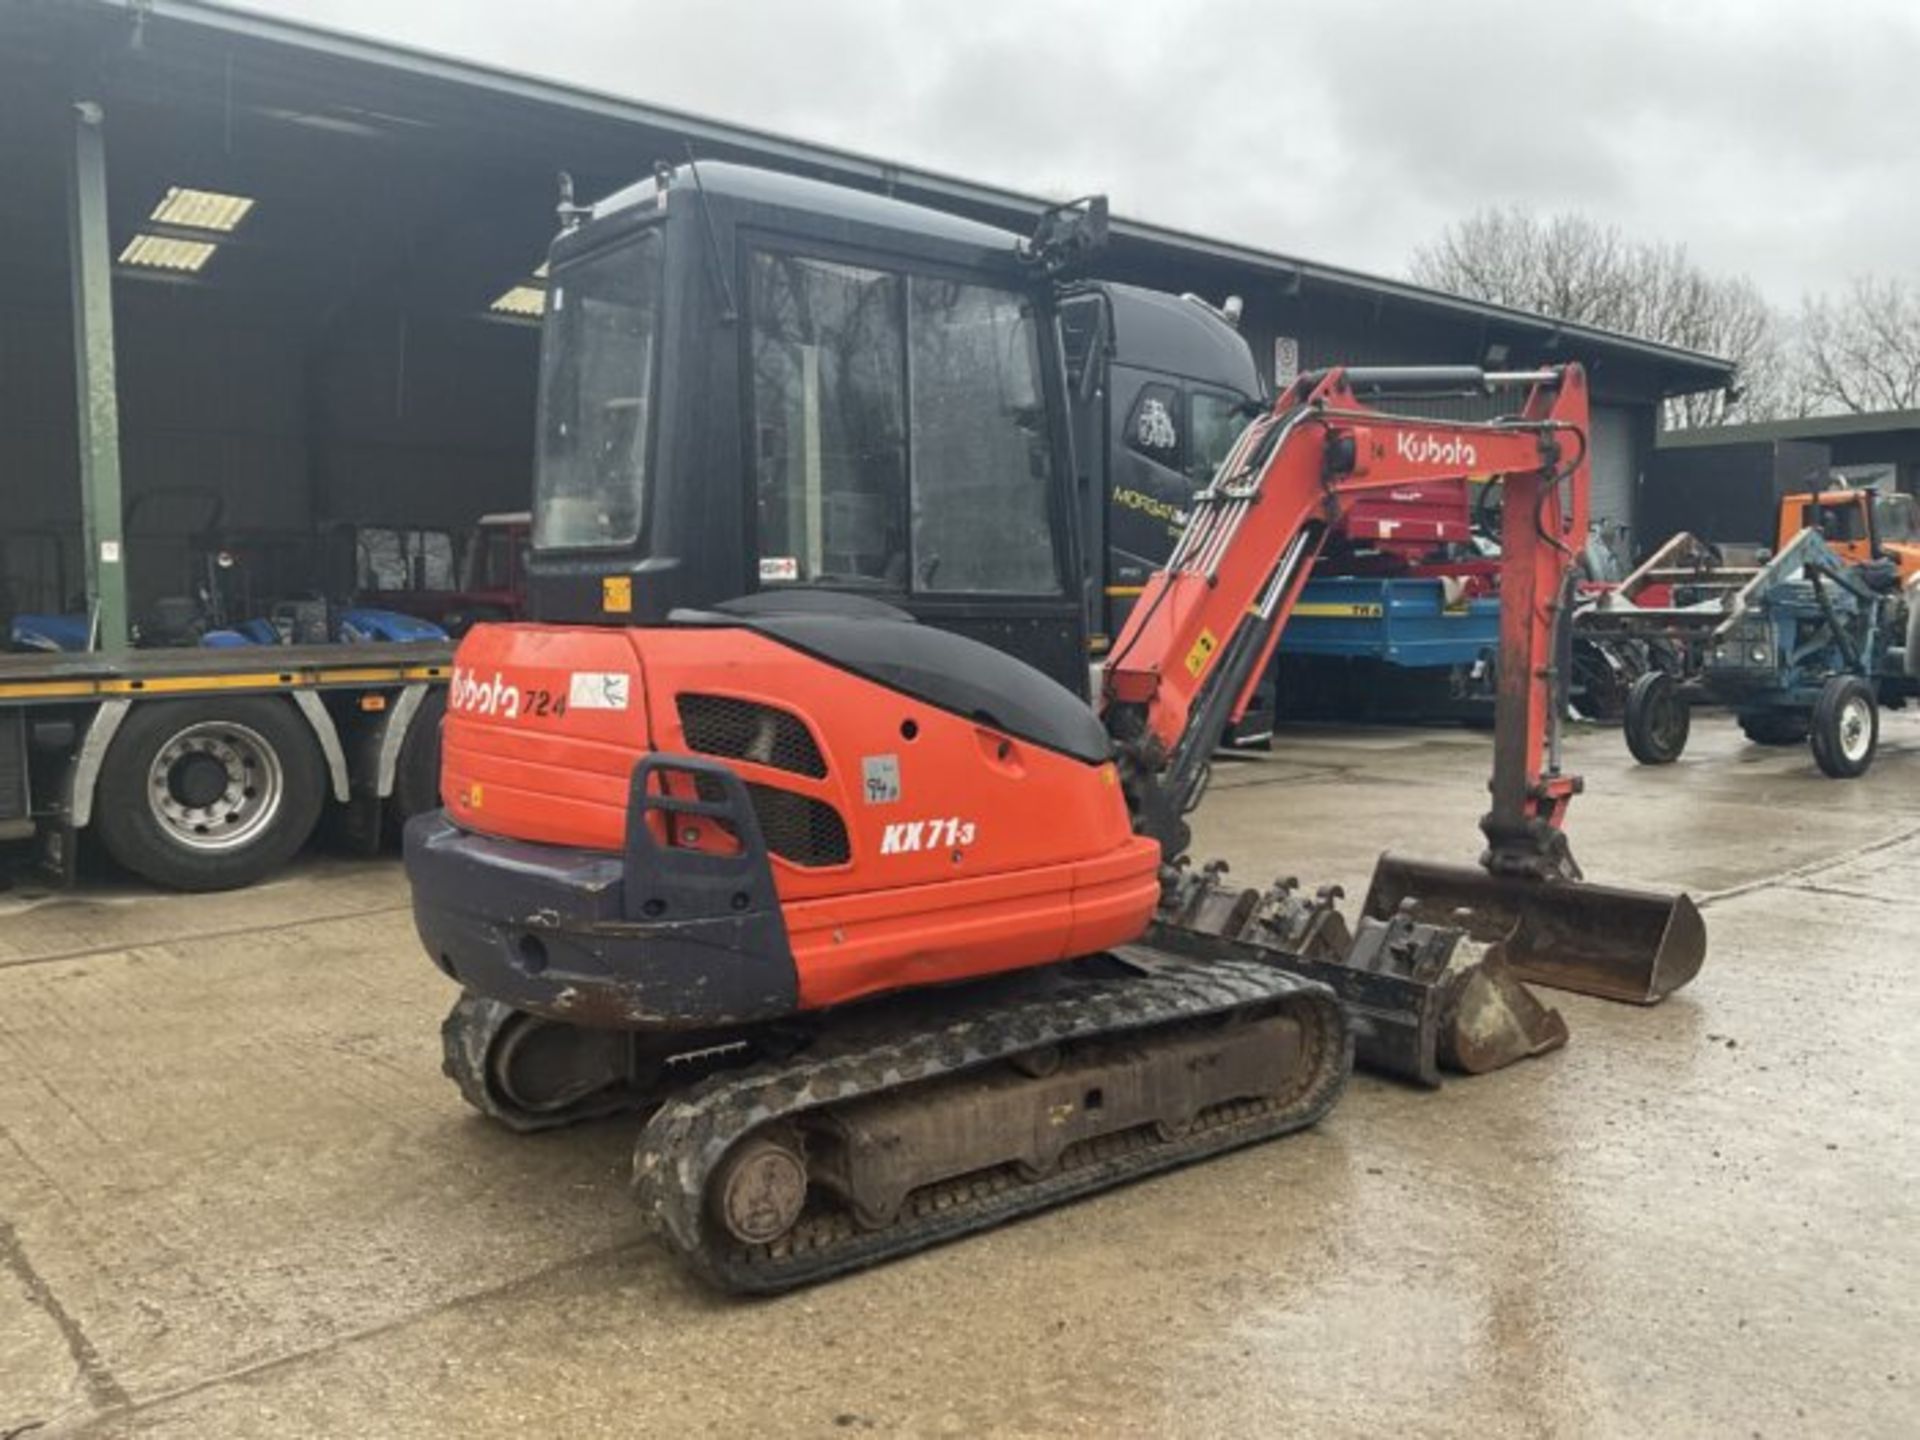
x: 1607, y: 940
x: 1494, y: 1020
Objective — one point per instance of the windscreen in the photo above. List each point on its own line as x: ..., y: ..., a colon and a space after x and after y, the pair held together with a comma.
x: 1898, y: 517
x: 597, y: 357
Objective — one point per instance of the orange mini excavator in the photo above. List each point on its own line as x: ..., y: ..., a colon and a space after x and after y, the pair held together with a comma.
x: 887, y: 933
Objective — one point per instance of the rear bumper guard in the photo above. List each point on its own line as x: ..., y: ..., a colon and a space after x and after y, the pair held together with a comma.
x: 657, y: 937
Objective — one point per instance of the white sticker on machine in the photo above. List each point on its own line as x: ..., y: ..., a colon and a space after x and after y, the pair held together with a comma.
x: 881, y: 777
x: 779, y: 567
x: 599, y: 690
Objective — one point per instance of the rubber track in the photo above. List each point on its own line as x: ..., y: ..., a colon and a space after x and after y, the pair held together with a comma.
x: 690, y: 1134
x: 467, y: 1036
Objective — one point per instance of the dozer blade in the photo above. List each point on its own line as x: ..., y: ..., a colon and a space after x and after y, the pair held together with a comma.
x: 1419, y: 1002
x: 1606, y: 940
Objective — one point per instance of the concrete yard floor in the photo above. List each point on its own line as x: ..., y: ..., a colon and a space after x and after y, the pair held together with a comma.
x: 237, y: 1197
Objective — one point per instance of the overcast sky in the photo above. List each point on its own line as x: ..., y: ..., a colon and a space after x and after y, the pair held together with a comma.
x: 1772, y: 137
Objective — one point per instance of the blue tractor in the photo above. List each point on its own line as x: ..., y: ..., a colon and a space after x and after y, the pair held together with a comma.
x: 1803, y: 647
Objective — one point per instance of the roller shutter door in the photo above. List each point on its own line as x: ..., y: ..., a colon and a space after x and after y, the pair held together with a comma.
x: 1614, y: 466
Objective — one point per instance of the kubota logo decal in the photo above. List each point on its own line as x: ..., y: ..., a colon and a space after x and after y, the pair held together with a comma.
x: 492, y: 696
x: 1420, y: 448
x: 908, y: 836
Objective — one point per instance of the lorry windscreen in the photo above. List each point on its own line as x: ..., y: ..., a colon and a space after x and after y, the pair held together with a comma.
x: 598, y: 358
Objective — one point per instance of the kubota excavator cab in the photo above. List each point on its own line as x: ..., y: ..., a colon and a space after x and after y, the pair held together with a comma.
x: 867, y: 393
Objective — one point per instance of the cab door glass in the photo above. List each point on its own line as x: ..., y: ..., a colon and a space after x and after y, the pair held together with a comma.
x: 982, y: 456
x: 830, y: 448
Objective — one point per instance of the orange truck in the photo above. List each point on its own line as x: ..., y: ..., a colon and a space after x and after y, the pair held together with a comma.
x: 1858, y: 525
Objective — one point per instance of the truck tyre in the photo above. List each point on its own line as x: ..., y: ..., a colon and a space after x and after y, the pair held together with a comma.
x: 1846, y: 727
x: 1913, y: 629
x: 1657, y: 719
x: 416, y: 778
x: 1774, y: 727
x: 209, y: 794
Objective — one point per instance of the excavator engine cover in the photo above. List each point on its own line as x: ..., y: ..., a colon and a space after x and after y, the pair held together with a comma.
x: 1608, y: 940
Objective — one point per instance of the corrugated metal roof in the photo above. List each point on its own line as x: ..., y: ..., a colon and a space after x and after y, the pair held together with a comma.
x: 1683, y: 371
x: 1812, y: 427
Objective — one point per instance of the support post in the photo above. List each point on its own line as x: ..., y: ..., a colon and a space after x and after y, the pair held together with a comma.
x: 90, y: 266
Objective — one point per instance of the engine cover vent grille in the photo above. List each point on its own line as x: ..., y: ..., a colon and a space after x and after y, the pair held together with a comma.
x: 745, y: 730
x: 796, y: 827
x: 800, y: 828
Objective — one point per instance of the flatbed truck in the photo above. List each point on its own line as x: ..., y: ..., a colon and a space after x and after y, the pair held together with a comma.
x: 207, y: 769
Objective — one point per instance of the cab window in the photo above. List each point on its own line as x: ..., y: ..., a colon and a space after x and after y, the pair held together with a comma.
x: 1216, y: 422
x: 1839, y: 524
x: 901, y: 439
x: 393, y: 560
x: 596, y: 396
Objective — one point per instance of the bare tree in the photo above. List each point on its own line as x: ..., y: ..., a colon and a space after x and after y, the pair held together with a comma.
x: 1574, y: 268
x: 1861, y: 353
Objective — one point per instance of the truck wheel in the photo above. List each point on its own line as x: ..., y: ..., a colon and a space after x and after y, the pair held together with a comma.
x: 209, y: 794
x: 416, y: 778
x: 1774, y: 727
x: 1846, y: 727
x: 1657, y: 719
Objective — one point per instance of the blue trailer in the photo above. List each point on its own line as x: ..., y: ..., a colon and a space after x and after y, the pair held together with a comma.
x: 1416, y: 623
x: 1389, y: 648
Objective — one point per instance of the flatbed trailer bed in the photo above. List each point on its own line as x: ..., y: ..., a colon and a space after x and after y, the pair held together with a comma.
x: 207, y: 768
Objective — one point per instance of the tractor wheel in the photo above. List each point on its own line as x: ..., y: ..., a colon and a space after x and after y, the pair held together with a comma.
x: 1600, y: 681
x: 209, y: 794
x: 1657, y: 719
x: 1846, y: 727
x: 1774, y: 727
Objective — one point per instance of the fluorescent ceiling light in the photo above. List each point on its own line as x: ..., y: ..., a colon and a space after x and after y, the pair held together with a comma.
x: 201, y: 209
x: 334, y: 123
x: 529, y: 301
x: 164, y: 252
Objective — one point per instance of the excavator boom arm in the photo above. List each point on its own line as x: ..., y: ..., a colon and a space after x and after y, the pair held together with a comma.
x: 1206, y: 625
